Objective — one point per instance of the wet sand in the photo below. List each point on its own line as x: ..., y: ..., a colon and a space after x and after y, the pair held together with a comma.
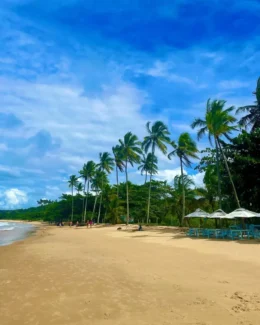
x: 104, y: 276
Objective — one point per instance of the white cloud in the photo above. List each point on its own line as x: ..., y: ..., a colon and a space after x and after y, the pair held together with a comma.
x: 168, y: 174
x: 198, y: 179
x: 13, y: 198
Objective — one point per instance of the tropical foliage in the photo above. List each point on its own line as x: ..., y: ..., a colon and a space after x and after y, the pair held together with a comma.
x: 230, y: 168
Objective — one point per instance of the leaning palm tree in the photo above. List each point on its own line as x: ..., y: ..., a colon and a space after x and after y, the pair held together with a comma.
x: 157, y: 138
x: 148, y: 165
x: 106, y: 164
x: 89, y: 172
x: 253, y: 111
x: 218, y: 122
x: 185, y: 149
x: 73, y: 182
x: 96, y: 185
x: 83, y: 174
x: 131, y: 151
x: 118, y: 157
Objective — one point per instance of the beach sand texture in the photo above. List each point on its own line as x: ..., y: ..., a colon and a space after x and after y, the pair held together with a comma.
x: 104, y: 276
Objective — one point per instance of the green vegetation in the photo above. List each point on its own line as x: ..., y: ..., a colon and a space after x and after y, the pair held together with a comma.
x: 231, y: 168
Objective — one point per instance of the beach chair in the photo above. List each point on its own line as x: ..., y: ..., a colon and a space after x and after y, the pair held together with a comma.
x: 256, y: 234
x: 192, y: 232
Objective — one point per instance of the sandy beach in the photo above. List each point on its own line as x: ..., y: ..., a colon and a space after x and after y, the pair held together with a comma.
x: 104, y: 276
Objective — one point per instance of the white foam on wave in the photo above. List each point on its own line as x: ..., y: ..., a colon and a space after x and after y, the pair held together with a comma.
x: 6, y: 229
x: 4, y: 224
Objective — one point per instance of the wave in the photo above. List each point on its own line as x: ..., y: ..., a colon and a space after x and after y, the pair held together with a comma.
x: 6, y: 229
x: 4, y: 224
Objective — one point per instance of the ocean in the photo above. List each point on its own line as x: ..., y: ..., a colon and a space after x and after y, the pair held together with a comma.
x: 13, y: 231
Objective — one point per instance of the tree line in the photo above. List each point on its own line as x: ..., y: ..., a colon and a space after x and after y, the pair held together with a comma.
x: 230, y: 165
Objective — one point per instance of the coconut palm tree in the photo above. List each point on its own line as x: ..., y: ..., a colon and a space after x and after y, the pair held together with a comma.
x: 185, y: 149
x: 106, y: 164
x: 79, y: 187
x: 148, y: 165
x: 218, y: 122
x: 118, y: 162
x: 89, y: 172
x: 253, y: 111
x: 131, y: 151
x: 73, y: 182
x: 84, y: 174
x: 96, y: 185
x: 157, y: 138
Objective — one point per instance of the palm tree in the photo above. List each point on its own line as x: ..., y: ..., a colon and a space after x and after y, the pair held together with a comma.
x: 253, y: 111
x: 96, y: 185
x: 118, y: 162
x: 73, y: 182
x: 79, y: 187
x: 157, y: 137
x: 131, y: 150
x: 148, y: 165
x: 218, y: 122
x: 88, y: 173
x: 185, y: 149
x: 83, y: 174
x: 105, y: 165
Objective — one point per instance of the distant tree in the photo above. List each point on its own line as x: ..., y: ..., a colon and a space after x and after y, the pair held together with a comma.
x: 148, y: 165
x: 118, y: 157
x: 252, y: 118
x: 157, y: 138
x: 131, y: 151
x: 106, y: 164
x: 185, y: 149
x: 218, y: 122
x: 73, y: 182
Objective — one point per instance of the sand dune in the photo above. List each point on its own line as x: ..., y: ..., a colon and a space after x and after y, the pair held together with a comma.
x: 104, y: 276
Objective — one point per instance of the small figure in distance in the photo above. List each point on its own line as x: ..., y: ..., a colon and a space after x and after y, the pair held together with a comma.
x: 87, y: 223
x: 77, y: 224
x: 140, y: 228
x: 71, y: 223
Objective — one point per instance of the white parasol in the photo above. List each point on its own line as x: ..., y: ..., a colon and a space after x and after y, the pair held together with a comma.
x: 241, y: 213
x: 218, y: 214
x: 198, y: 214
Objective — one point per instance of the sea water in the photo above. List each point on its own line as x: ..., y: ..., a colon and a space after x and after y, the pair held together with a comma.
x: 13, y: 231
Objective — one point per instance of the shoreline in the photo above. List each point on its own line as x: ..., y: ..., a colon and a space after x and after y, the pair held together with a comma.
x: 102, y: 276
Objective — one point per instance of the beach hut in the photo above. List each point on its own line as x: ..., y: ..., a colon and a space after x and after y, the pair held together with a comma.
x: 198, y: 214
x: 218, y: 214
x: 241, y: 213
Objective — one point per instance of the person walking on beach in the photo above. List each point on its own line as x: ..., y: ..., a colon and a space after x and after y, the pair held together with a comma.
x: 87, y: 223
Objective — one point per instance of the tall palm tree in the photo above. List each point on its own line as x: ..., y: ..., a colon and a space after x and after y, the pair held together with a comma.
x: 157, y: 138
x: 118, y: 162
x: 131, y: 151
x: 185, y: 149
x: 84, y: 174
x: 96, y: 185
x: 218, y: 122
x: 148, y: 165
x: 106, y: 164
x: 89, y: 172
x: 253, y: 111
x: 73, y: 182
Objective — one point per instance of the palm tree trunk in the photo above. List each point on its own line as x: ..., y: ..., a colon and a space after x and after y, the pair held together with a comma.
x: 218, y: 174
x: 86, y: 203
x: 95, y: 203
x: 100, y: 202
x: 117, y: 182
x: 72, y: 204
x: 145, y: 180
x: 127, y: 198
x: 229, y: 174
x: 83, y: 201
x: 183, y: 193
x: 150, y: 185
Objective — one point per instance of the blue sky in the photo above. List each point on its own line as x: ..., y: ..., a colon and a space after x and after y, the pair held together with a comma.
x: 75, y: 76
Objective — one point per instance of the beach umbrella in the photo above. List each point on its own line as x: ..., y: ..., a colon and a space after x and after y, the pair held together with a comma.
x: 198, y: 214
x: 241, y: 213
x: 218, y: 214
